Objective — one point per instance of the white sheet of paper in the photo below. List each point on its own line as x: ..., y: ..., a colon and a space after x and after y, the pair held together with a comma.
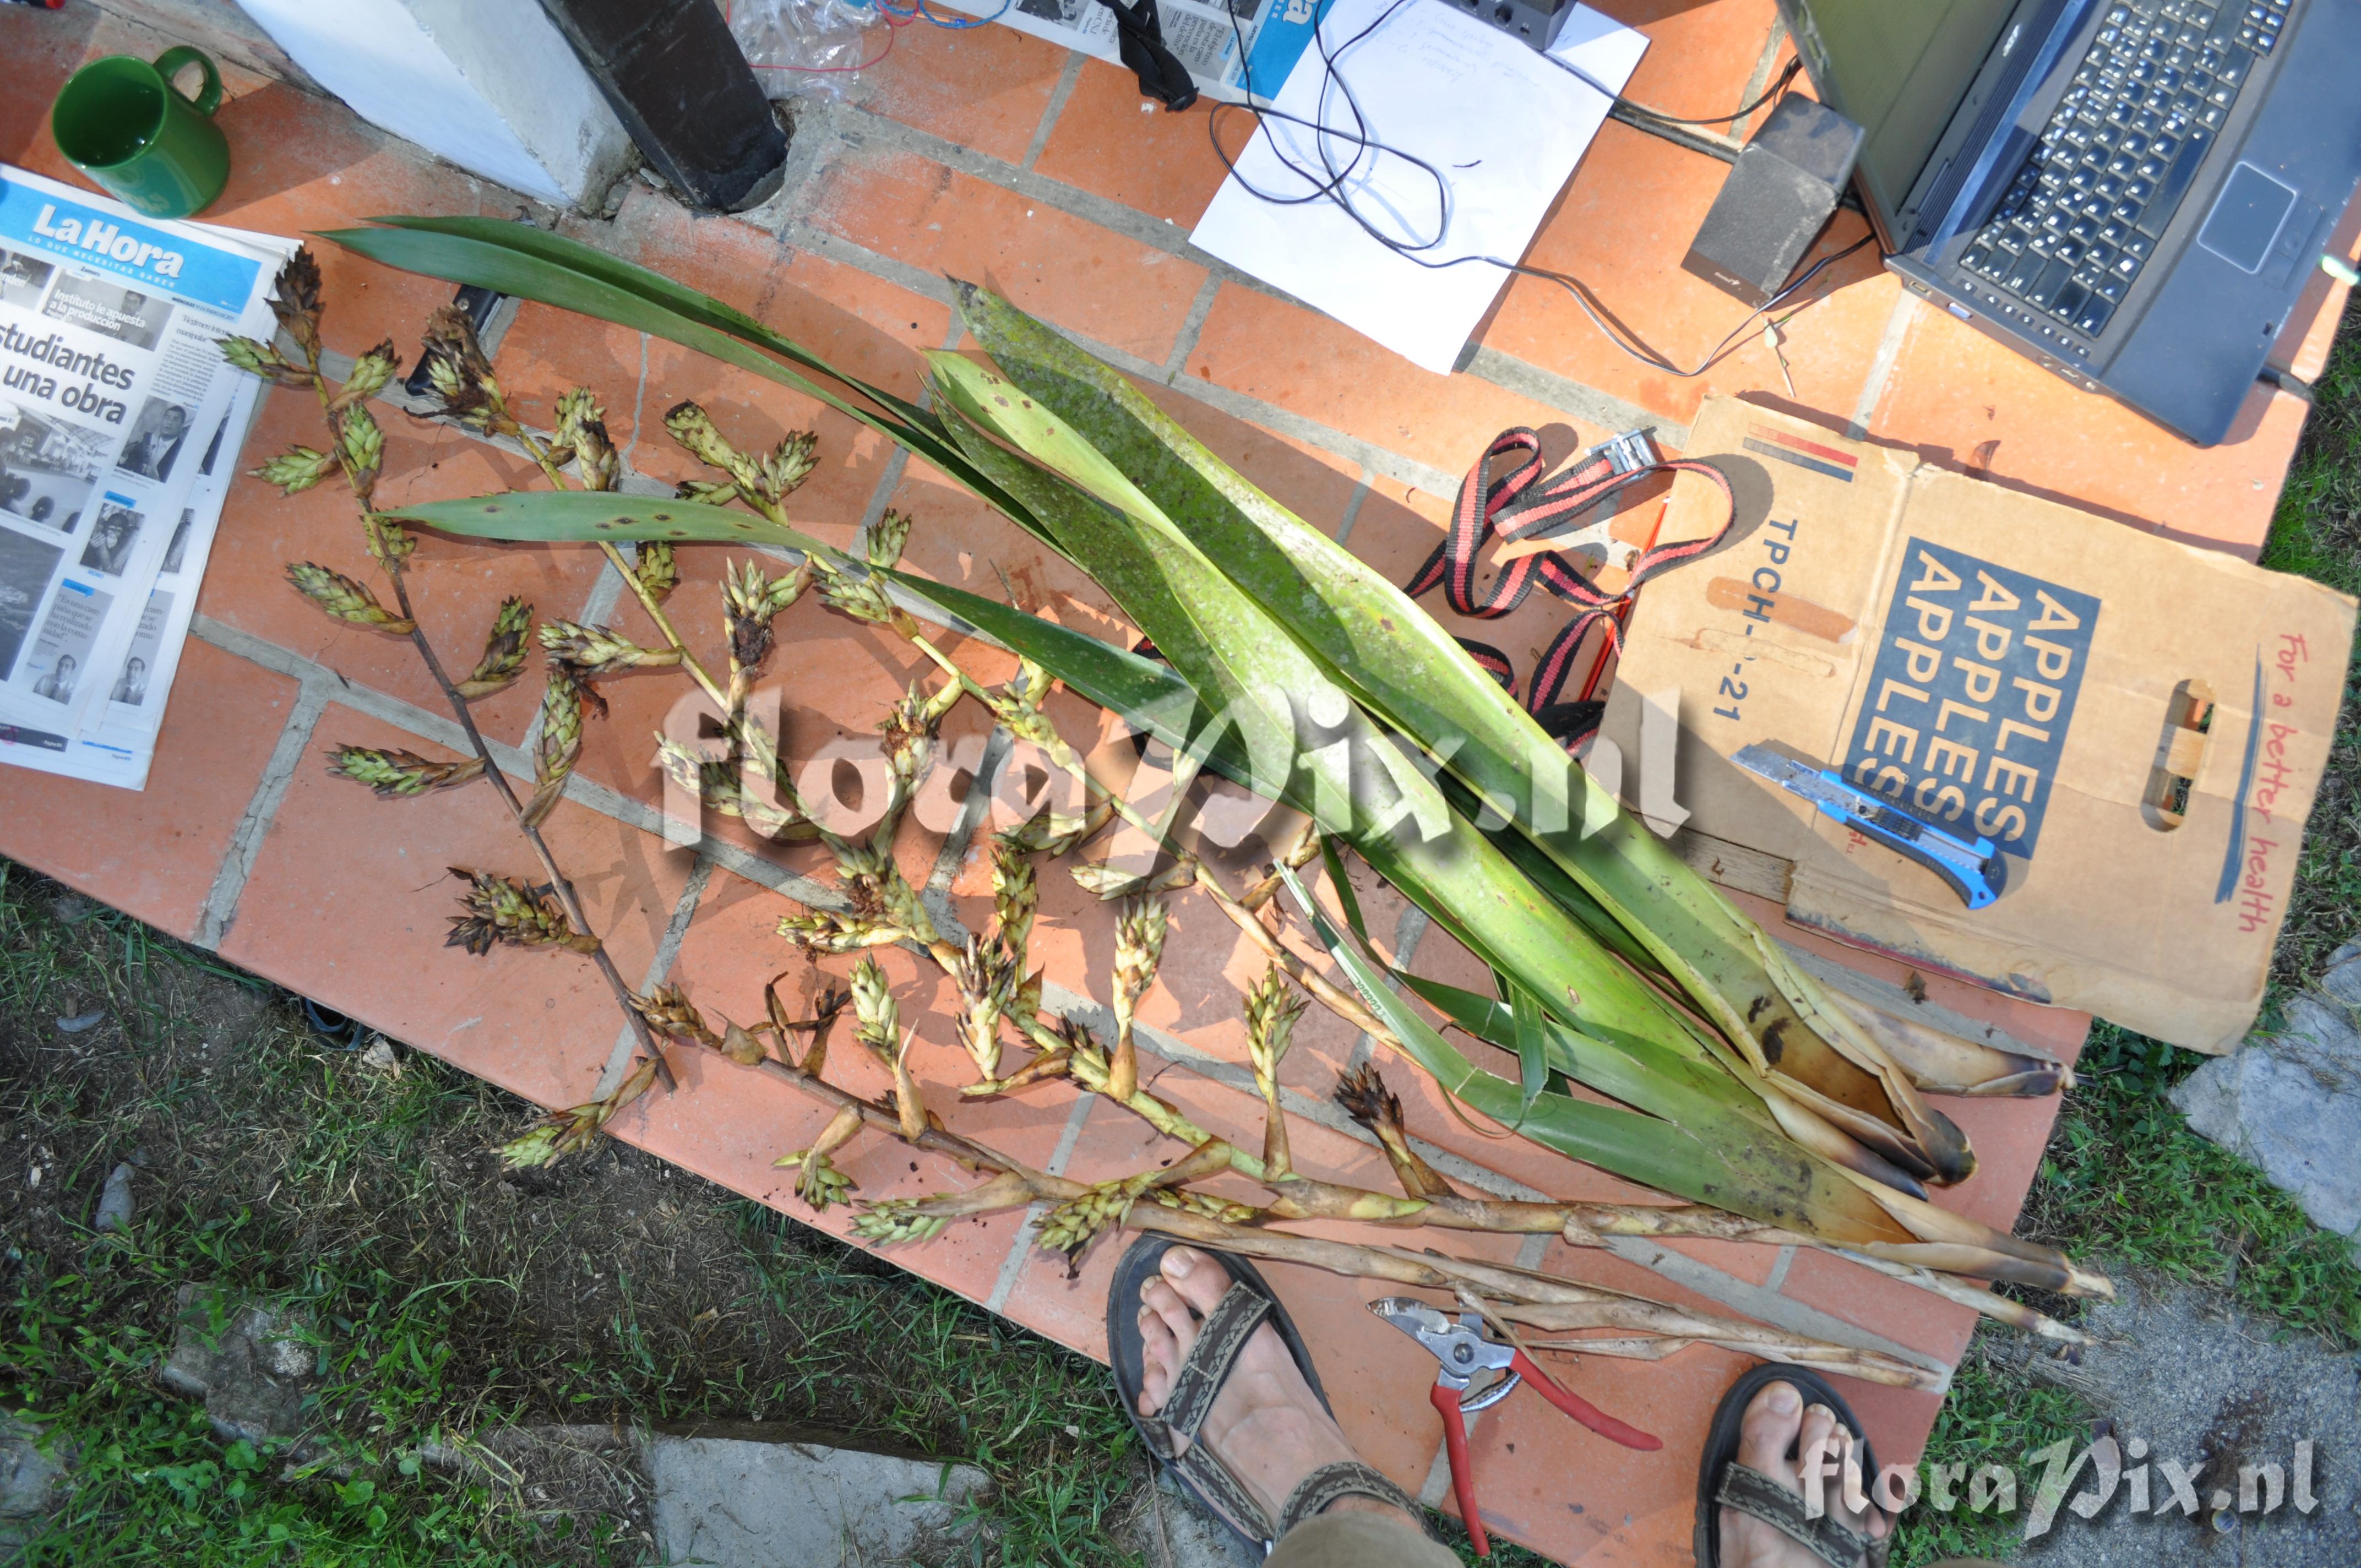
x: 1504, y: 125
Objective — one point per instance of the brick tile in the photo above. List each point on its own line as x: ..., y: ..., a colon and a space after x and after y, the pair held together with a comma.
x: 1621, y: 229
x: 1308, y: 363
x: 754, y: 412
x: 2024, y: 427
x: 1111, y: 141
x: 1699, y: 57
x: 862, y: 324
x: 348, y: 900
x: 547, y: 352
x: 2303, y: 348
x: 1072, y: 272
x: 734, y: 1121
x: 1884, y: 1306
x: 983, y: 87
x: 43, y: 51
x: 1546, y: 1480
x: 456, y: 585
x: 154, y: 853
x: 1899, y: 1421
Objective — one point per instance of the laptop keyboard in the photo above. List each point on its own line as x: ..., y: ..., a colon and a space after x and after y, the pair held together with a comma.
x: 2144, y: 108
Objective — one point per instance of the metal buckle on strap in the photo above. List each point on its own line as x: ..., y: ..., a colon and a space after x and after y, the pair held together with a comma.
x: 1628, y: 452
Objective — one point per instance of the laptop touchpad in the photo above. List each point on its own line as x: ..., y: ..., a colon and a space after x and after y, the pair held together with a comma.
x: 2247, y: 218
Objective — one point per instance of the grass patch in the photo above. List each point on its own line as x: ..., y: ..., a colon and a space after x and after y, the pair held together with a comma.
x: 2317, y: 534
x: 2128, y: 1181
x: 446, y: 1296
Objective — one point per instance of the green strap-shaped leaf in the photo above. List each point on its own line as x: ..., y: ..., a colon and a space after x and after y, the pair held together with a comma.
x: 558, y: 250
x: 1223, y: 645
x: 516, y: 258
x: 1370, y: 636
x: 1346, y: 897
x: 1637, y: 1147
x: 1531, y: 1046
x: 588, y: 516
x: 1696, y: 1096
x: 1233, y: 649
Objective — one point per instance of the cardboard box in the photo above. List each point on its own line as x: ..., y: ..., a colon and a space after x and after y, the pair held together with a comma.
x: 2139, y: 724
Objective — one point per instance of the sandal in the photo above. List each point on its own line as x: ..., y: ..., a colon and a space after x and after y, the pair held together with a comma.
x: 1219, y: 1337
x: 1723, y: 1482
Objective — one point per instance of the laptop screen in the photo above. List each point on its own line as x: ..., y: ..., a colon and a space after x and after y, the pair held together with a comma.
x: 1899, y: 68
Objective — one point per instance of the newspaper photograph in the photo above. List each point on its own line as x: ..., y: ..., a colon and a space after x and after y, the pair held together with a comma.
x: 1201, y: 34
x: 108, y: 371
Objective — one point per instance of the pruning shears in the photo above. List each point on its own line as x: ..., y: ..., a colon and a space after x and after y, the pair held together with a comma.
x: 1465, y: 1353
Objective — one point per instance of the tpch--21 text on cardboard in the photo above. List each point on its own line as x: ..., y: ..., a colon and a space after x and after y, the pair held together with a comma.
x: 2139, y: 724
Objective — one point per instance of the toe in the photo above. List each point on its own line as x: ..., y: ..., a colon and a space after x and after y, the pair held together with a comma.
x: 1160, y: 1362
x: 1819, y: 1431
x: 1767, y: 1434
x: 1197, y: 1277
x: 1165, y: 1303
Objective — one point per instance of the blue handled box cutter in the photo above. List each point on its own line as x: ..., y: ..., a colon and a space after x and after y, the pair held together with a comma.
x: 1973, y: 868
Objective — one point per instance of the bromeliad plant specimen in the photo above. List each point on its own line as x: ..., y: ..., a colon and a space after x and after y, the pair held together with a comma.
x: 1737, y: 1084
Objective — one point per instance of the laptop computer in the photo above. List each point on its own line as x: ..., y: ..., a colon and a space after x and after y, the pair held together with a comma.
x: 2133, y: 193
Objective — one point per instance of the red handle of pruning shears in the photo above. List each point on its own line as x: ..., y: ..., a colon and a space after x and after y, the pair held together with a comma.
x: 1580, y: 1408
x: 1463, y: 1474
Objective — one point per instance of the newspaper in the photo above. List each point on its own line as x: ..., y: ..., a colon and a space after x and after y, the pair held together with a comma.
x: 117, y: 743
x: 111, y: 387
x: 1200, y: 35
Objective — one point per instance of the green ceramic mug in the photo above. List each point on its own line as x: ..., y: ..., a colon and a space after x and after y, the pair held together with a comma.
x: 122, y: 122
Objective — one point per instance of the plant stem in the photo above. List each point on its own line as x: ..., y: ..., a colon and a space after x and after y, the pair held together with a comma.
x: 558, y: 882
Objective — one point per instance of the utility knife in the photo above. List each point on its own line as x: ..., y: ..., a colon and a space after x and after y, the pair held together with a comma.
x: 1973, y: 867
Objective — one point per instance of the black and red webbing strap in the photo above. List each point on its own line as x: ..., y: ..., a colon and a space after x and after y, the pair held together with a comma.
x: 1519, y: 503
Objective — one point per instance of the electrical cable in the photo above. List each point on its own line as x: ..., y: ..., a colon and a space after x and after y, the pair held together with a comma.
x: 1596, y: 85
x: 919, y: 12
x: 1332, y: 187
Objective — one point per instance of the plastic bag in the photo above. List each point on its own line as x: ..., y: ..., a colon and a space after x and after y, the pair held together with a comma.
x: 800, y: 46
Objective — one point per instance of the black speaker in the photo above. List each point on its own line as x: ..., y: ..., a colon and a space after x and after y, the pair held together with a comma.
x: 1778, y: 197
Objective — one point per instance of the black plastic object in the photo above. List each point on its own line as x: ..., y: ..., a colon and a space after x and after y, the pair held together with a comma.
x: 682, y: 87
x: 1139, y: 35
x: 333, y: 1028
x: 1777, y: 199
x: 1536, y: 22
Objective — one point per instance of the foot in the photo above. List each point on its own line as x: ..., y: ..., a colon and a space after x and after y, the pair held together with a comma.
x: 1266, y: 1426
x: 1776, y: 1431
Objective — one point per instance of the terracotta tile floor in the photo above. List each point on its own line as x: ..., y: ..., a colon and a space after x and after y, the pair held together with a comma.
x: 990, y: 155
